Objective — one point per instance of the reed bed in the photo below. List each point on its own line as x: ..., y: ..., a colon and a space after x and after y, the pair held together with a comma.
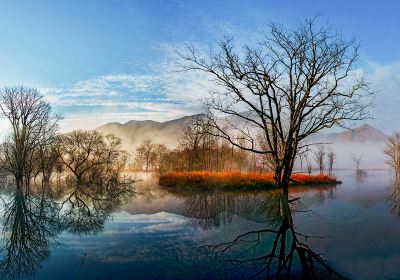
x: 234, y: 180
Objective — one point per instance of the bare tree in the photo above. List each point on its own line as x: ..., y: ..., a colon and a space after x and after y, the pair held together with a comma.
x: 392, y: 150
x: 309, y: 165
x: 145, y: 154
x: 82, y: 152
x: 32, y: 126
x: 319, y: 157
x: 331, y: 160
x: 191, y: 141
x: 357, y: 160
x: 161, y: 158
x: 289, y: 86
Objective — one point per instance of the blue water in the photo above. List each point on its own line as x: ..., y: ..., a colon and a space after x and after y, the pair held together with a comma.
x: 157, y: 234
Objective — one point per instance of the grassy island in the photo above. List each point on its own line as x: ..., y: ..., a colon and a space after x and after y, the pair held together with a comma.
x: 237, y: 180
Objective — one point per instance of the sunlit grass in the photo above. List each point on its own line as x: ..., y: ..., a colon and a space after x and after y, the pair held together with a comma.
x: 232, y: 180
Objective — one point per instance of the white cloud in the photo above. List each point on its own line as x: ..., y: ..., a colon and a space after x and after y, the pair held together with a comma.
x: 162, y: 95
x: 165, y: 93
x: 385, y: 81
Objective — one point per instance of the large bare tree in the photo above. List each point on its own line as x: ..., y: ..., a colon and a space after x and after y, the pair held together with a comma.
x: 32, y: 126
x: 294, y: 83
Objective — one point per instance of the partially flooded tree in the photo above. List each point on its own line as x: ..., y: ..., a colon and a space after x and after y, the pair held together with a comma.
x: 357, y: 160
x: 33, y: 126
x: 392, y: 150
x: 87, y: 154
x: 289, y: 86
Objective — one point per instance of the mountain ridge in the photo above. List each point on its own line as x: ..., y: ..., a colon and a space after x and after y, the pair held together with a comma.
x: 133, y: 132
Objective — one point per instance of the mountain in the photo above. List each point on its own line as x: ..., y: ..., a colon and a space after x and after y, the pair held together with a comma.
x: 133, y: 132
x: 362, y: 134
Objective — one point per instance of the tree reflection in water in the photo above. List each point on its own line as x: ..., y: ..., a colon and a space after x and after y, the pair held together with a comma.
x: 395, y: 196
x: 32, y: 218
x: 276, y: 252
x: 84, y: 209
x: 30, y: 225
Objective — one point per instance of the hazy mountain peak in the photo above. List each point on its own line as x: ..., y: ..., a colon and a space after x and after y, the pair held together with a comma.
x: 134, y: 132
x: 362, y: 134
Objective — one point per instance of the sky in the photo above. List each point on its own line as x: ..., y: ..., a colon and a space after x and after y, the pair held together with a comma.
x: 105, y: 61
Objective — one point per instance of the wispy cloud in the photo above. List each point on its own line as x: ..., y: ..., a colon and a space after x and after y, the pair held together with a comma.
x: 163, y: 94
x: 385, y: 81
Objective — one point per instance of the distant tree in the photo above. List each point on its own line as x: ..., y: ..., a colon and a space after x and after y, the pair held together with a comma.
x: 331, y: 160
x: 319, y: 156
x: 308, y: 162
x: 33, y: 126
x: 309, y: 167
x: 357, y: 160
x: 161, y: 153
x: 145, y: 154
x: 240, y: 155
x: 191, y: 141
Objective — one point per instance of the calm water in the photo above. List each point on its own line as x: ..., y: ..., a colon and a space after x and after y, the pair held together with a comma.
x: 156, y: 234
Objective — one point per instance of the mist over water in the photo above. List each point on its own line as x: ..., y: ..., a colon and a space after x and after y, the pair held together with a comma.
x: 371, y: 153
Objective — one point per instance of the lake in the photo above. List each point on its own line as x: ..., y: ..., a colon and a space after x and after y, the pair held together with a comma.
x: 156, y: 233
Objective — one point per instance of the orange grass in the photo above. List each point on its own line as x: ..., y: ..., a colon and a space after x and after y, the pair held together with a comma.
x: 208, y: 179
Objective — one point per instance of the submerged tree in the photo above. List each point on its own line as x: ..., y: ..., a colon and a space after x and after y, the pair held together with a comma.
x: 32, y: 126
x: 289, y: 86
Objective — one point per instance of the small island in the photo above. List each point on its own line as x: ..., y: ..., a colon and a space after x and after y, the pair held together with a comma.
x: 205, y: 180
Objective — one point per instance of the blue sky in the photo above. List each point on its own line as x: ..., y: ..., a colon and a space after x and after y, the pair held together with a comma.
x: 101, y: 61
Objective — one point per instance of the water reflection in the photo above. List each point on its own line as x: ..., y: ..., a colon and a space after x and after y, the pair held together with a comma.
x: 277, y: 250
x: 395, y: 196
x: 33, y: 217
x: 361, y: 175
x: 85, y: 208
x: 247, y: 234
x: 207, y: 210
x: 30, y: 226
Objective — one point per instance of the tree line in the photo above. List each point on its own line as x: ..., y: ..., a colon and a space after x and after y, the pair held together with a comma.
x: 34, y: 149
x: 200, y: 150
